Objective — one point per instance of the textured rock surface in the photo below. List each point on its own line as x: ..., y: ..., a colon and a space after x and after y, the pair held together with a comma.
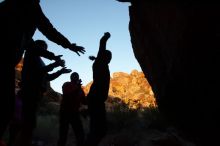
x: 177, y: 46
x: 132, y: 89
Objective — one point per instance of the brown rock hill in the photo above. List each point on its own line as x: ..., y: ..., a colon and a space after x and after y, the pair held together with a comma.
x: 132, y: 89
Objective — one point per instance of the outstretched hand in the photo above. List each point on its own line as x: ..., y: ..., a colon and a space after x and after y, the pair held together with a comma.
x: 77, y: 49
x: 92, y: 58
x: 65, y: 70
x: 107, y: 35
x: 58, y: 57
x: 60, y: 63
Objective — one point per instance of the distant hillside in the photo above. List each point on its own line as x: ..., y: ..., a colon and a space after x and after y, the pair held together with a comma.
x: 131, y: 89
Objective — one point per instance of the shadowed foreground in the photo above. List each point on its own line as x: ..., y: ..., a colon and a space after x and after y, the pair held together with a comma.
x: 142, y: 127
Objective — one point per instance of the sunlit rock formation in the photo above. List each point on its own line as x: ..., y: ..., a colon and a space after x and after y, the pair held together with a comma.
x: 132, y: 89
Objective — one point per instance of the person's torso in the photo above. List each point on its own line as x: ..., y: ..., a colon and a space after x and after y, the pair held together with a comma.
x: 33, y: 76
x: 100, y: 86
x: 72, y: 97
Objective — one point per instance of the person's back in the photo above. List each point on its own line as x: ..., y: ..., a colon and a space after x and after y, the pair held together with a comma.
x: 101, y: 80
x: 32, y: 75
x: 72, y: 97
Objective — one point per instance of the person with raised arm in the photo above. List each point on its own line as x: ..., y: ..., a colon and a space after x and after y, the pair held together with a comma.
x: 98, y: 93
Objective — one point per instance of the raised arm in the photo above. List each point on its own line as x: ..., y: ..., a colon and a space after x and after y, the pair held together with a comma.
x: 55, y: 75
x: 44, y: 25
x: 53, y: 65
x: 46, y: 54
x: 102, y: 44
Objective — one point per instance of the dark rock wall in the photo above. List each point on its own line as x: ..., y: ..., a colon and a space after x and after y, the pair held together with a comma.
x: 177, y: 45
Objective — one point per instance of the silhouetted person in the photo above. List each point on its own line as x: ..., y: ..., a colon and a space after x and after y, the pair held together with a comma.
x: 19, y: 21
x: 34, y: 81
x: 99, y: 93
x: 73, y: 98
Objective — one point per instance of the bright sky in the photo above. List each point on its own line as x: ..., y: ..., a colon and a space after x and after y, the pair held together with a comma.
x: 84, y: 22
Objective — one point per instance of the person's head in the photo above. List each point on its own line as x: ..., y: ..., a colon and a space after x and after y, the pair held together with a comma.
x: 74, y: 77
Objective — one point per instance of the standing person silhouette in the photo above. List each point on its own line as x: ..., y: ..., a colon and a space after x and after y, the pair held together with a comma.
x: 34, y: 81
x: 19, y: 21
x: 73, y: 98
x: 99, y: 93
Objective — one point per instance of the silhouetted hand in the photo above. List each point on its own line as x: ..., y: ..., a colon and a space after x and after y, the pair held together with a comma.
x: 65, y: 70
x: 60, y: 62
x: 79, y: 82
x: 107, y: 35
x: 77, y: 49
x: 58, y: 57
x: 92, y: 58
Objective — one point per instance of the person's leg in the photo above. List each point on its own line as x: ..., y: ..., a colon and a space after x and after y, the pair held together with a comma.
x: 98, y: 125
x: 29, y: 119
x: 7, y: 101
x: 97, y: 130
x: 63, y: 129
x: 13, y: 131
x: 78, y: 129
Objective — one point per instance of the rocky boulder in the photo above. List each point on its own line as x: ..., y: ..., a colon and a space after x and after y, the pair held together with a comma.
x: 131, y: 89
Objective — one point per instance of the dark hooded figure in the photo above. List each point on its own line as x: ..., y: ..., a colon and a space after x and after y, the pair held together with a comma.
x: 99, y: 93
x: 35, y: 78
x: 19, y: 21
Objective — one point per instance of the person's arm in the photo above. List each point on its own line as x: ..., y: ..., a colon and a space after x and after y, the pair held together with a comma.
x: 102, y: 43
x: 46, y: 54
x: 55, y: 75
x: 44, y: 26
x: 49, y: 55
x: 51, y: 66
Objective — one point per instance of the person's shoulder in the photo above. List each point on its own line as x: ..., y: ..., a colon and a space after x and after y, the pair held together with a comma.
x: 66, y: 84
